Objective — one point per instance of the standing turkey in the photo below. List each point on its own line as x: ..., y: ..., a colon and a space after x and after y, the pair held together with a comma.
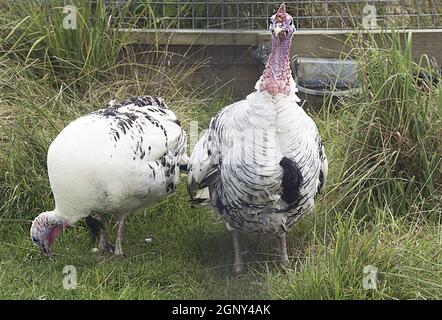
x: 262, y: 158
x: 111, y: 162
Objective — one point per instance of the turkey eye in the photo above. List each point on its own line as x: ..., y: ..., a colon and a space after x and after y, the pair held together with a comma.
x: 270, y: 23
x: 35, y: 240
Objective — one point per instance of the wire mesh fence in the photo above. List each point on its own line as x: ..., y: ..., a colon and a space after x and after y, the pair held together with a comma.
x: 308, y: 14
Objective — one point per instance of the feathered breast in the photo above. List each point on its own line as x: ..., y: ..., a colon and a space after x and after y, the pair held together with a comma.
x: 258, y: 160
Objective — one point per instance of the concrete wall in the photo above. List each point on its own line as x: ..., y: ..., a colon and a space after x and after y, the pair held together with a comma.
x: 229, y: 52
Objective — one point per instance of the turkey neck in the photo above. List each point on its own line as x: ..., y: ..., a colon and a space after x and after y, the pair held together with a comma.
x: 277, y: 73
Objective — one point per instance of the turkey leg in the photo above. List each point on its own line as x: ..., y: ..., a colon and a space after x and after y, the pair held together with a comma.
x: 282, y: 250
x: 239, y: 266
x: 119, y: 243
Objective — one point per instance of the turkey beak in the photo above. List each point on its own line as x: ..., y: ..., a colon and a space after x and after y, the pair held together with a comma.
x: 46, y: 250
x: 278, y: 30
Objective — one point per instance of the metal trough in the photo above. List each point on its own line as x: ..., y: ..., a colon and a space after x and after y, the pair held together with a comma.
x: 326, y: 77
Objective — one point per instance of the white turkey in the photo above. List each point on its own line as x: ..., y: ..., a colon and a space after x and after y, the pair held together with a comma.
x: 111, y: 162
x: 262, y: 158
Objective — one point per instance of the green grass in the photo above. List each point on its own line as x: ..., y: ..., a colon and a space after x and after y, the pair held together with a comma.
x: 191, y: 255
x: 188, y: 258
x: 381, y: 205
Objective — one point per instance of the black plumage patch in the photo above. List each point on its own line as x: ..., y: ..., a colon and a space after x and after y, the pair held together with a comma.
x: 138, y: 101
x: 94, y: 226
x: 320, y: 146
x: 220, y: 206
x: 115, y: 134
x: 170, y: 188
x: 291, y: 182
x: 130, y: 121
x: 321, y: 180
x: 110, y: 112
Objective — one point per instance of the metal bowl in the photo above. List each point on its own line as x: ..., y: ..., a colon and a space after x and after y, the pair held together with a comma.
x: 326, y: 77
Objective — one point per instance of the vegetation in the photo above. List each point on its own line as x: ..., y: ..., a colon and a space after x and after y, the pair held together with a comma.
x: 381, y: 206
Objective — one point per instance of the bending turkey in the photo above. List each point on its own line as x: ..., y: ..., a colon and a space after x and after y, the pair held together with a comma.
x: 262, y: 158
x: 111, y: 162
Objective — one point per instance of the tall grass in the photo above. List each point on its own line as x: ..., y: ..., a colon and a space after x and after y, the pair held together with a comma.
x: 65, y: 49
x: 392, y: 152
